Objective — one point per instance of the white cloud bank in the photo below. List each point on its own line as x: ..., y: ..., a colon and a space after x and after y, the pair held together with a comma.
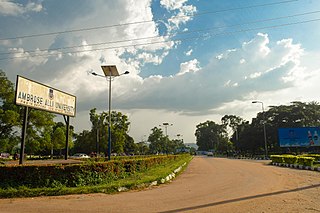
x: 9, y: 8
x: 272, y: 71
x: 256, y: 67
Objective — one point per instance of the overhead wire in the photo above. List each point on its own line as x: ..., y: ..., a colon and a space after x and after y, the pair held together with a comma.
x: 172, y: 40
x: 160, y: 36
x: 145, y: 21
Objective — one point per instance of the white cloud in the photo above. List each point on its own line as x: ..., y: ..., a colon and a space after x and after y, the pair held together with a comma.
x: 9, y: 8
x: 189, y: 52
x: 189, y: 66
x: 184, y: 14
x: 172, y: 4
x: 197, y: 90
x: 257, y: 69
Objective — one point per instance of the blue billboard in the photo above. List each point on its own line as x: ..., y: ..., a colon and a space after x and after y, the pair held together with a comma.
x: 296, y: 137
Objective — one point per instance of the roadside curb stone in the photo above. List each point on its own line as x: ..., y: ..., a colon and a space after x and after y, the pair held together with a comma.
x: 296, y: 166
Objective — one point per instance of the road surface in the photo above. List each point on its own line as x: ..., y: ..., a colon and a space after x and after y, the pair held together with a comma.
x: 208, y: 185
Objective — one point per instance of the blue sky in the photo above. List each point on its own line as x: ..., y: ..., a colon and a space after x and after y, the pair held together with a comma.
x: 189, y: 60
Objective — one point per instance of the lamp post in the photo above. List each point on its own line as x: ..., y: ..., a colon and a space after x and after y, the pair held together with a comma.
x: 179, y: 135
x: 166, y: 127
x: 264, y: 128
x: 109, y: 72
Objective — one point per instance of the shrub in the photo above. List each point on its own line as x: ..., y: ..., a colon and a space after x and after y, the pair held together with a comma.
x: 277, y: 158
x: 74, y: 175
x: 316, y: 156
x: 291, y: 159
x: 306, y: 161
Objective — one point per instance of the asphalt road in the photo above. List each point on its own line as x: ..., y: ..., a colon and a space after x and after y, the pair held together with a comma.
x: 208, y: 185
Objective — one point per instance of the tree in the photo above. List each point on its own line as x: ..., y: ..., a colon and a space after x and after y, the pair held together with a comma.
x: 129, y: 145
x: 9, y: 115
x: 233, y: 122
x: 121, y: 141
x: 99, y: 129
x: 158, y: 141
x: 84, y: 142
x: 40, y: 126
x: 142, y: 148
x: 297, y: 114
x: 209, y: 135
x: 174, y: 144
x: 58, y: 136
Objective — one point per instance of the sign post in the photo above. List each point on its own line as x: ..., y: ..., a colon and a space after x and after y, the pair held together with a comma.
x: 31, y: 94
x: 23, y: 134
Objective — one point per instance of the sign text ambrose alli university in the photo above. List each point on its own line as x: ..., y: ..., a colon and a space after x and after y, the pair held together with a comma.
x: 35, y: 95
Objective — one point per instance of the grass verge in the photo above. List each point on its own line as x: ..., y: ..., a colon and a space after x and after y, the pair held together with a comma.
x: 138, y: 180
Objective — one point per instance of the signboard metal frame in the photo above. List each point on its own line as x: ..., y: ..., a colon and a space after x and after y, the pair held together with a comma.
x: 36, y: 95
x: 32, y: 94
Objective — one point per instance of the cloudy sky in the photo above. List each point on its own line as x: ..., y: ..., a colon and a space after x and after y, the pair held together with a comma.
x: 189, y: 60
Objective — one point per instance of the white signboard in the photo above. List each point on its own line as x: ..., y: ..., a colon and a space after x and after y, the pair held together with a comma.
x: 35, y: 95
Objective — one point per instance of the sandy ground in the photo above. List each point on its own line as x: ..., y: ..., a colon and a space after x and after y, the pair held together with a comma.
x: 208, y: 185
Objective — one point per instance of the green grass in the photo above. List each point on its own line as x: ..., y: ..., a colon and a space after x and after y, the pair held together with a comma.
x: 138, y: 180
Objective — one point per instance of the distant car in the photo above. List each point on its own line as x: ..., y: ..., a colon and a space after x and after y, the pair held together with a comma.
x: 4, y: 155
x: 80, y: 156
x: 210, y: 154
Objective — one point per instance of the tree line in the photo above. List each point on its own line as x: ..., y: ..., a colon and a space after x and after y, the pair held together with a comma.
x: 233, y: 134
x: 248, y: 138
x: 47, y: 137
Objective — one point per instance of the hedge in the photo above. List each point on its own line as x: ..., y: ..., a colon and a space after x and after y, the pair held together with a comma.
x: 316, y: 156
x: 73, y: 175
x: 292, y: 159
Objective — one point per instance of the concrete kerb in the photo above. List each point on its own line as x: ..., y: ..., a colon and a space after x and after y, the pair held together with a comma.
x: 173, y: 174
x: 296, y: 166
x: 155, y: 183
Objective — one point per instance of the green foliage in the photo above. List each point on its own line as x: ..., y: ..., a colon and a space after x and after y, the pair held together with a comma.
x: 97, y: 138
x: 58, y: 138
x: 291, y: 159
x: 298, y: 114
x: 306, y: 161
x: 75, y: 175
x: 251, y: 136
x: 210, y: 135
x: 277, y: 158
x: 315, y: 156
x: 9, y: 114
x: 158, y: 141
x: 142, y: 148
x: 135, y: 180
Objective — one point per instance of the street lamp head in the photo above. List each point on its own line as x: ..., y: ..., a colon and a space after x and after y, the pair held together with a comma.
x: 110, y: 70
x: 126, y: 72
x: 93, y: 73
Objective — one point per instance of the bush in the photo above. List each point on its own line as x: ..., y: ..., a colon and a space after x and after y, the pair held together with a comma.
x: 316, y: 156
x: 291, y: 159
x: 74, y: 175
x: 277, y: 158
x: 306, y: 161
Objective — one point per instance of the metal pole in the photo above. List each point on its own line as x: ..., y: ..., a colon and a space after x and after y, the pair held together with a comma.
x: 264, y: 132
x: 109, y: 126
x: 23, y: 134
x: 97, y: 142
x: 67, y: 120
